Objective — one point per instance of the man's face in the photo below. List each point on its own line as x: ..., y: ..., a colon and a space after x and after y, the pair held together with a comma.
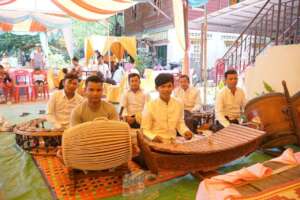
x: 231, y: 81
x: 134, y: 83
x: 184, y: 83
x: 70, y: 86
x: 74, y: 62
x: 165, y: 90
x: 94, y: 92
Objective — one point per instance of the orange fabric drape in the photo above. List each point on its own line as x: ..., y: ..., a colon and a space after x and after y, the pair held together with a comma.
x: 6, y: 27
x: 117, y: 50
x: 4, y: 2
x: 37, y: 27
x: 86, y: 6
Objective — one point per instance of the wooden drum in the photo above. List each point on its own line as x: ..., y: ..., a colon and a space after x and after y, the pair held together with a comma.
x: 36, y: 138
x: 296, y: 106
x: 272, y: 110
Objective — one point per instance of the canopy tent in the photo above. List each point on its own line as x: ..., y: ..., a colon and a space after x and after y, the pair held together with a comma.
x: 42, y: 16
x: 117, y: 45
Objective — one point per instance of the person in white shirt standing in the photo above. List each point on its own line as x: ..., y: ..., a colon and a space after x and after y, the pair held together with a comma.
x: 163, y: 117
x: 188, y: 95
x: 62, y: 102
x: 103, y: 68
x: 230, y: 101
x: 133, y: 101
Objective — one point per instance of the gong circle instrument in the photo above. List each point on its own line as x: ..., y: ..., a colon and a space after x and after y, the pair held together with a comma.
x: 37, y: 137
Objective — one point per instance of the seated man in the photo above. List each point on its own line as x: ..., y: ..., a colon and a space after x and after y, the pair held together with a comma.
x: 6, y: 83
x: 163, y: 117
x: 133, y: 101
x: 188, y: 95
x: 93, y: 107
x: 230, y: 101
x: 62, y: 102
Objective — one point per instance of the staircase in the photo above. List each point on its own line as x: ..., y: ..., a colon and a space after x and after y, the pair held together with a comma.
x: 275, y: 24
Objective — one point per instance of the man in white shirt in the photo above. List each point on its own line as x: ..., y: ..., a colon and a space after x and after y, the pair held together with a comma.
x: 188, y: 95
x: 133, y: 101
x: 62, y: 102
x: 230, y: 101
x: 103, y: 68
x: 163, y: 117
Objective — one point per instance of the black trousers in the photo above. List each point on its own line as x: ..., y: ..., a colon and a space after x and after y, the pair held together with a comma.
x: 218, y: 126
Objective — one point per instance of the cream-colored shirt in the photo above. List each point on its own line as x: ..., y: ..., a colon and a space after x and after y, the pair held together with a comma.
x: 189, y: 97
x: 82, y: 113
x: 59, y: 108
x: 163, y: 119
x: 134, y: 102
x: 229, y: 105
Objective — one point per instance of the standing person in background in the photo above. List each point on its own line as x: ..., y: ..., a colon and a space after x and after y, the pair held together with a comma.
x: 76, y: 68
x: 117, y: 72
x: 103, y: 67
x: 37, y: 58
x: 5, y: 61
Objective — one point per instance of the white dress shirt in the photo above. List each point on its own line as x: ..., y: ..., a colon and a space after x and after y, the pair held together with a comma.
x: 229, y: 105
x: 163, y: 119
x: 59, y: 108
x: 104, y: 69
x: 189, y: 97
x: 133, y: 102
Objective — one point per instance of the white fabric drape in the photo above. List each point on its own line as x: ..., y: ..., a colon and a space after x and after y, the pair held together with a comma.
x: 68, y: 37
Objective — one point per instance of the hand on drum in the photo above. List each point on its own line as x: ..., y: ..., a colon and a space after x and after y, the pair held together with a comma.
x: 188, y: 135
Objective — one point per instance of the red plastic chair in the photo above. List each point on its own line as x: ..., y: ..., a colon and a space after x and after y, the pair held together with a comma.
x: 39, y: 84
x: 21, y: 80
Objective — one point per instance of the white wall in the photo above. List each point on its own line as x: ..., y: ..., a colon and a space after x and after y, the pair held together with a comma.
x: 276, y: 64
x: 216, y: 47
x: 174, y: 50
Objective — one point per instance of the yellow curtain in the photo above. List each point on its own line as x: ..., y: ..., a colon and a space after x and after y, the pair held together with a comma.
x: 88, y: 50
x: 129, y: 44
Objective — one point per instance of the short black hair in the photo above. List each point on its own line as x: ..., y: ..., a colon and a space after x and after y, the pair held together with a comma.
x: 71, y: 76
x: 75, y: 59
x: 65, y: 70
x: 164, y: 78
x: 230, y: 71
x: 185, y: 76
x: 94, y: 79
x: 131, y: 75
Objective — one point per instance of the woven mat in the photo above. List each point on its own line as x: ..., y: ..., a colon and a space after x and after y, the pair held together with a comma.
x: 95, y: 186
x: 286, y: 191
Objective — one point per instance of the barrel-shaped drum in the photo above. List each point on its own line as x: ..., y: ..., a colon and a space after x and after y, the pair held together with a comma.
x: 272, y: 110
x: 296, y: 106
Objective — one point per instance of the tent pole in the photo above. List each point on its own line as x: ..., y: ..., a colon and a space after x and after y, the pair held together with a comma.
x: 109, y: 64
x: 205, y: 56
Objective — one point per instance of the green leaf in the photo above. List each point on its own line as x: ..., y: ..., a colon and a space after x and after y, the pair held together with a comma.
x: 267, y: 87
